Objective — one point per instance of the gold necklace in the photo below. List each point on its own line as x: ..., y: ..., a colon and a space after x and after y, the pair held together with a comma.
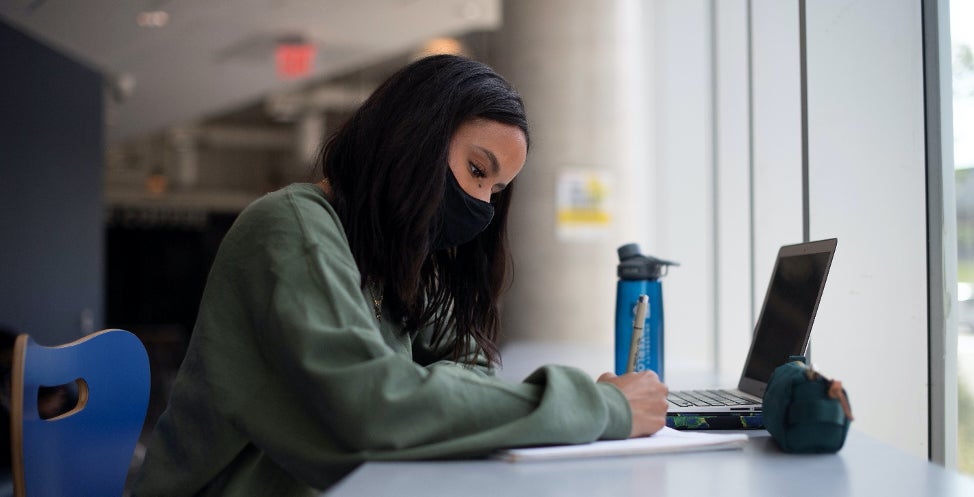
x: 376, y: 302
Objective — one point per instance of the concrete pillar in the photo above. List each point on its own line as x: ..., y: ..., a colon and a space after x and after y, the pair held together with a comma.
x: 183, y: 142
x: 583, y: 68
x: 309, y: 129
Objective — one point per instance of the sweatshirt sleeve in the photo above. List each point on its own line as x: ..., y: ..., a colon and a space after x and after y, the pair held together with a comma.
x: 338, y: 393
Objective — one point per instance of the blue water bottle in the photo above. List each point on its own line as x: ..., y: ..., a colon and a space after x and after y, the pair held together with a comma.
x: 640, y: 275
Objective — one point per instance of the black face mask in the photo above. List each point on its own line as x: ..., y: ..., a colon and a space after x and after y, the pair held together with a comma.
x: 462, y: 217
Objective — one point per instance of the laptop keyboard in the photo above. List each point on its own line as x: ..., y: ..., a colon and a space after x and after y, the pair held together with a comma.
x: 706, y: 398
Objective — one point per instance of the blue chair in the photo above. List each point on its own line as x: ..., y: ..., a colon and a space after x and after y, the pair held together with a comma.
x: 87, y: 450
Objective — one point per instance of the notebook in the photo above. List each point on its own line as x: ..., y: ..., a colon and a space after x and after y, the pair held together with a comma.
x: 781, y: 331
x: 667, y: 440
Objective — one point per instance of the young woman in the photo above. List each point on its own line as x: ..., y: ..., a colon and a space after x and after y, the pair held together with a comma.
x: 357, y: 319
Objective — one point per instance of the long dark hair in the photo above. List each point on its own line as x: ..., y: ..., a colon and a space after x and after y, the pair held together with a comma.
x: 387, y: 168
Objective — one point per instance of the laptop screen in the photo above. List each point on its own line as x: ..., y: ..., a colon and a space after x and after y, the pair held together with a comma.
x: 789, y: 309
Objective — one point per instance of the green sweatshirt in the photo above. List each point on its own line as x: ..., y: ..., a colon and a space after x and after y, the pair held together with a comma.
x: 290, y: 381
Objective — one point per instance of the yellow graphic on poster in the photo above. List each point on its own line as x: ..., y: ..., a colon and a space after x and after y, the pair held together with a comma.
x: 583, y: 205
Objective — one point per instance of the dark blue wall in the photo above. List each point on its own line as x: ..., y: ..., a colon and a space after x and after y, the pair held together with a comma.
x: 51, y: 214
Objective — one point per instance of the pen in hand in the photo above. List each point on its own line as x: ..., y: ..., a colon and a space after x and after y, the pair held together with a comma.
x: 637, y: 332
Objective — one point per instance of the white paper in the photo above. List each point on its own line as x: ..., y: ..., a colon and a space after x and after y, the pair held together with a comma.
x: 664, y: 441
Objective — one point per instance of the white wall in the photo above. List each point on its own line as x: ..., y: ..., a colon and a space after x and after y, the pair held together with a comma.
x: 777, y: 178
x: 733, y: 146
x: 684, y: 207
x: 724, y: 216
x: 867, y: 187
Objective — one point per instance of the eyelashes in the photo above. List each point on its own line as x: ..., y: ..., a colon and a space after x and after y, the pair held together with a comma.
x: 477, y: 172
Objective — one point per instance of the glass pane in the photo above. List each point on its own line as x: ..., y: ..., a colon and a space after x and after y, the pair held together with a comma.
x: 962, y: 42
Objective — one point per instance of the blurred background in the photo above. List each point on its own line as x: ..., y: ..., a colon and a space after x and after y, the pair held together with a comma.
x: 132, y: 133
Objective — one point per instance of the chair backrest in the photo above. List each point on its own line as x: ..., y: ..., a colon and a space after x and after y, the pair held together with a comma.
x: 87, y: 450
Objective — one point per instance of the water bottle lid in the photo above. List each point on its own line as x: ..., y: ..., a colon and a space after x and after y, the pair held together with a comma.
x: 635, y: 266
x: 628, y: 250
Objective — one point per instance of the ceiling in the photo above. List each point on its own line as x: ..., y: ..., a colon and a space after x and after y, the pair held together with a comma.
x: 214, y: 56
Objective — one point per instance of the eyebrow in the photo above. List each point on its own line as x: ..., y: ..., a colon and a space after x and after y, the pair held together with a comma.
x: 494, y: 165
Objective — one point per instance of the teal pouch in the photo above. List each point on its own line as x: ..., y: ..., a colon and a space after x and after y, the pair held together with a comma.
x: 804, y: 411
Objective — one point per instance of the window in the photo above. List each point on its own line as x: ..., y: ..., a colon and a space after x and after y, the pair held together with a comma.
x: 962, y: 43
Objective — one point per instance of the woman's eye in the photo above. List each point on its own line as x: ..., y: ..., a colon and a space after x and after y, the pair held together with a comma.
x: 476, y: 171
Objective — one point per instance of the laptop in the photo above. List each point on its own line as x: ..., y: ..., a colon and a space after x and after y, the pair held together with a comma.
x: 782, y: 330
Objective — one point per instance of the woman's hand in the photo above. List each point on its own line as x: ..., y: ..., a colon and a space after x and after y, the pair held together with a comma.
x: 647, y: 400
